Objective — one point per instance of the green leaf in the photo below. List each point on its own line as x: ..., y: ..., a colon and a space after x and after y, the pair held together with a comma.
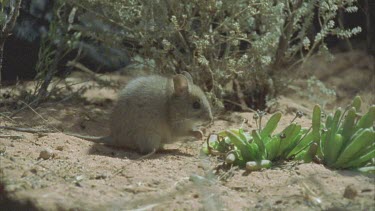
x: 329, y: 120
x: 332, y: 132
x: 242, y: 135
x: 367, y: 120
x: 366, y: 149
x: 361, y: 139
x: 336, y: 121
x: 225, y: 132
x: 356, y: 103
x: 303, y: 144
x: 293, y: 144
x: 255, y: 153
x: 325, y: 140
x: 311, y: 152
x: 240, y: 144
x: 205, y: 150
x: 272, y: 147
x: 316, y: 123
x: 291, y: 133
x: 348, y: 125
x: 325, y: 135
x: 334, y: 148
x: 301, y: 155
x: 259, y: 142
x: 367, y: 169
x: 270, y: 126
x: 363, y: 159
x: 351, y: 139
x: 316, y: 127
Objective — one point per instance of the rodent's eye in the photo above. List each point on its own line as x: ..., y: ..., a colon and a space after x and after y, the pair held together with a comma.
x: 196, y: 105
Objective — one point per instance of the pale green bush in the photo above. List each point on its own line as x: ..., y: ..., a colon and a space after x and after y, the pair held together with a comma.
x: 235, y: 49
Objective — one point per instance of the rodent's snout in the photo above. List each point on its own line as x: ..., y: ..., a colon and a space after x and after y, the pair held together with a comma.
x: 205, y: 120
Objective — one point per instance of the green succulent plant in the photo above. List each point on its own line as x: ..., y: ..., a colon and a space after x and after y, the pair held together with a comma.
x: 257, y: 149
x: 345, y: 139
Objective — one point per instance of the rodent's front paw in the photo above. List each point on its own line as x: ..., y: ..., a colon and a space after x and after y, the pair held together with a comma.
x: 197, y: 134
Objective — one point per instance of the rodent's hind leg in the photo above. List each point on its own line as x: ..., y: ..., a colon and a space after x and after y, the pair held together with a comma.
x: 150, y: 142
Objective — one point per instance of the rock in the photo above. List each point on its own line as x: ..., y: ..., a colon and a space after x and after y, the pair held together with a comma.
x: 46, y: 154
x: 60, y: 148
x: 350, y: 192
x: 197, y: 134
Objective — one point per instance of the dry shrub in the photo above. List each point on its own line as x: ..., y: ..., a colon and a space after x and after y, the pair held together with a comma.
x: 241, y: 51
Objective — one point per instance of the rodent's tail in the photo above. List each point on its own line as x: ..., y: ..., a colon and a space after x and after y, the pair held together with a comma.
x: 97, y: 139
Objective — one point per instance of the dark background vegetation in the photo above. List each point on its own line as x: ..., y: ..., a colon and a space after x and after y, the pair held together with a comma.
x: 22, y: 51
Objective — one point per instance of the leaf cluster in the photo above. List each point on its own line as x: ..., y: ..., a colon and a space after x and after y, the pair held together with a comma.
x: 343, y: 140
x: 347, y: 138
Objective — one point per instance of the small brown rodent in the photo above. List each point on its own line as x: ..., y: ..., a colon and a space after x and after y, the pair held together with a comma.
x: 152, y: 111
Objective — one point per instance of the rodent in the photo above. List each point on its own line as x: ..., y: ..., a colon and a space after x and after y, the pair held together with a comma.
x: 152, y: 111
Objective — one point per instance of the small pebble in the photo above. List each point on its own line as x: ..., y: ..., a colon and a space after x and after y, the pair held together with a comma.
x: 278, y: 201
x: 197, y: 134
x: 79, y: 178
x: 101, y: 176
x: 33, y: 170
x: 350, y: 192
x: 60, y: 148
x: 46, y: 154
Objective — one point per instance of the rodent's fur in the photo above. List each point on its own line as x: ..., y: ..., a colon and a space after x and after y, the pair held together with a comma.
x: 155, y: 110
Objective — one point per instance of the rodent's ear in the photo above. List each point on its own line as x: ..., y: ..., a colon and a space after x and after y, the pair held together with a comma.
x: 180, y: 84
x: 188, y: 76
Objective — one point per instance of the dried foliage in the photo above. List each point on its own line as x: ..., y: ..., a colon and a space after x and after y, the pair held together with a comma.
x: 237, y: 50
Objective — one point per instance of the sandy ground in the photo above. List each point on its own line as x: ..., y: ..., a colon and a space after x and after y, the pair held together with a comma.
x: 81, y: 175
